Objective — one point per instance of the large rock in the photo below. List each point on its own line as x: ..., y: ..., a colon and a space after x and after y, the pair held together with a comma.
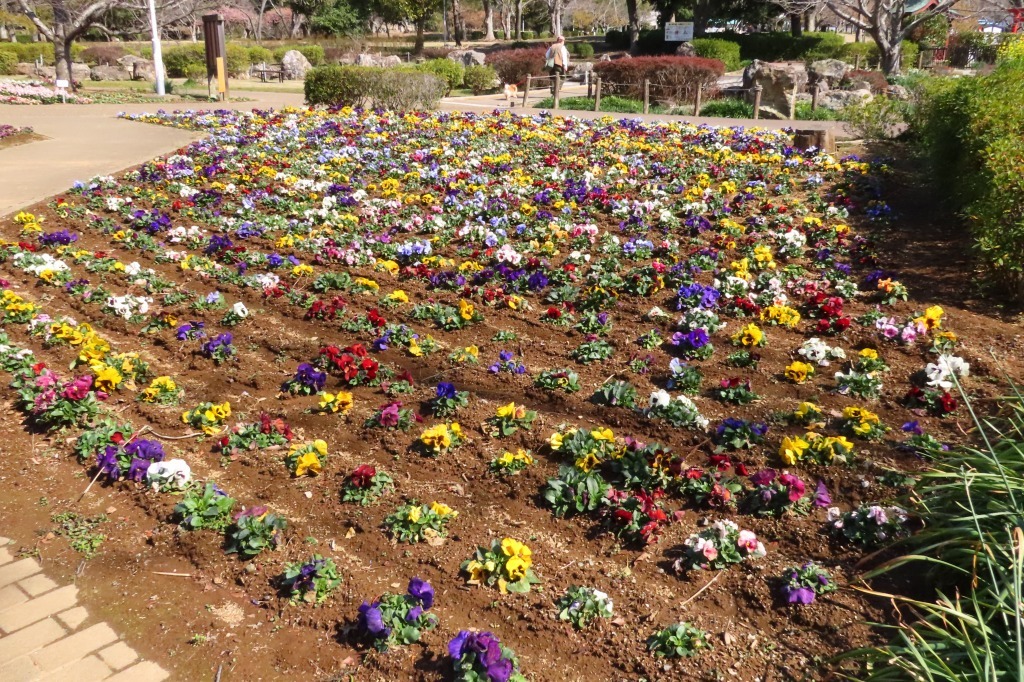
x: 581, y: 70
x: 840, y: 99
x: 780, y: 83
x: 366, y: 60
x: 686, y: 50
x: 468, y: 57
x: 295, y: 65
x: 829, y: 71
x: 143, y: 70
x: 390, y: 60
x: 109, y: 73
x: 80, y: 72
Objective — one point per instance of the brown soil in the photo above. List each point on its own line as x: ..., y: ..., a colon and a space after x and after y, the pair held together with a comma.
x: 251, y: 633
x: 20, y: 139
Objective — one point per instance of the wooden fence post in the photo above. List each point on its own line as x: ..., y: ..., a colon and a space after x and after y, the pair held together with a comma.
x: 558, y: 89
x: 792, y: 109
x: 856, y: 61
x: 647, y: 96
x: 814, y: 97
x: 526, y: 90
x: 920, y: 59
x: 700, y: 95
x: 597, y: 95
x: 757, y: 101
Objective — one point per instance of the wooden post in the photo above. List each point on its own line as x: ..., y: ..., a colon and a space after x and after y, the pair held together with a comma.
x: 590, y: 85
x: 597, y: 95
x: 558, y: 90
x: 920, y: 59
x: 757, y: 101
x: 814, y: 97
x: 647, y: 96
x: 792, y: 108
x: 526, y: 90
x: 856, y: 61
x: 700, y: 95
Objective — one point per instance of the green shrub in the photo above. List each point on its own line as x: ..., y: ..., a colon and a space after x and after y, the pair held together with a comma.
x: 823, y: 46
x: 529, y: 35
x: 725, y: 51
x: 973, y: 132
x: 582, y: 50
x: 237, y: 61
x: 728, y: 107
x: 867, y: 52
x: 804, y: 113
x: 779, y: 46
x: 196, y: 73
x: 177, y: 59
x: 29, y: 52
x: 617, y: 39
x: 908, y: 55
x: 397, y: 89
x: 480, y: 79
x: 880, y: 118
x: 451, y: 71
x: 106, y: 53
x: 260, y: 55
x: 8, y: 62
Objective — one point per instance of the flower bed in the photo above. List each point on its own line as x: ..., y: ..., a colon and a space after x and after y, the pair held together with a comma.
x: 519, y: 358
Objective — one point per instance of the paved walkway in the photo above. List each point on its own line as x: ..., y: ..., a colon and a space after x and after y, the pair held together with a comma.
x: 46, y: 636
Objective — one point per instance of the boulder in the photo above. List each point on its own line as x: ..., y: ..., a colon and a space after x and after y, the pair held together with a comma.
x: 295, y: 65
x: 840, y: 99
x: 143, y: 70
x: 26, y: 69
x: 829, y: 71
x: 80, y: 72
x: 780, y: 82
x: 899, y: 92
x: 109, y: 73
x: 128, y: 61
x: 365, y: 60
x: 468, y: 57
x: 605, y: 58
x: 390, y: 60
x: 686, y: 50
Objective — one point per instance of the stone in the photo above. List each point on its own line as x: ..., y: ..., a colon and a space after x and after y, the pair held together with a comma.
x: 295, y: 65
x: 686, y: 50
x: 143, y: 70
x: 605, y: 58
x: 468, y: 57
x: 840, y: 99
x: 365, y: 60
x: 899, y: 92
x: 830, y: 71
x: 780, y: 83
x: 128, y: 61
x: 109, y: 73
x: 390, y: 60
x: 80, y: 72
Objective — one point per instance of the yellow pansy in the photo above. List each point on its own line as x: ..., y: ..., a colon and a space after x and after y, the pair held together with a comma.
x: 792, y: 449
x: 308, y: 463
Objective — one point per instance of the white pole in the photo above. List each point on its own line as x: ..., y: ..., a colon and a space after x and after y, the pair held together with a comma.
x: 158, y: 59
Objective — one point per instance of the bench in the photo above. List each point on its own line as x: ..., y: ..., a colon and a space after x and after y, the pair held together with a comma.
x: 267, y: 72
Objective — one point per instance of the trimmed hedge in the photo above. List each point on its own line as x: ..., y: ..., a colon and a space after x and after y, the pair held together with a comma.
x: 973, y: 132
x: 260, y: 55
x: 672, y: 78
x: 775, y: 47
x: 104, y: 54
x: 397, y: 89
x: 723, y: 50
x: 581, y: 50
x: 451, y: 71
x: 480, y: 79
x: 512, y: 66
x: 8, y: 62
x: 177, y: 59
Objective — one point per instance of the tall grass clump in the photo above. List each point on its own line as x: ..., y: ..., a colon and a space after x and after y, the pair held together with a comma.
x: 971, y: 547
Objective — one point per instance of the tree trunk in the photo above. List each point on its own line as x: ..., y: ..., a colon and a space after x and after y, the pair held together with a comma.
x: 556, y: 8
x: 796, y: 25
x: 519, y: 20
x: 888, y: 34
x: 702, y: 12
x: 488, y: 20
x: 633, y: 12
x: 458, y: 23
x: 418, y: 47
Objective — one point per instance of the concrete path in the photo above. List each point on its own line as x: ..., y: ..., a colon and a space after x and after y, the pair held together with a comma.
x: 46, y: 636
x: 88, y: 140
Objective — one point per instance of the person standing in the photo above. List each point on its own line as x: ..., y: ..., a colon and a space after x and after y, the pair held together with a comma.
x: 557, y: 60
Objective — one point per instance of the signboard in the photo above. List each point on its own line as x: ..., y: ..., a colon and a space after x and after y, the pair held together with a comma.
x: 213, y: 37
x: 678, y: 31
x: 61, y: 84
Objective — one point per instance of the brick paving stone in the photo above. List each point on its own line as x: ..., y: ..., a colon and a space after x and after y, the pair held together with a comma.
x: 74, y: 647
x: 29, y: 639
x: 72, y: 618
x: 143, y: 672
x: 17, y: 570
x: 89, y: 669
x: 118, y: 655
x: 37, y: 585
x: 12, y: 595
x: 17, y: 617
x: 5, y: 554
x: 20, y: 670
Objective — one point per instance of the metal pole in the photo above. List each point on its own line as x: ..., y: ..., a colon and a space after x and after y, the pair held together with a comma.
x: 526, y: 91
x: 558, y: 89
x: 647, y: 96
x: 158, y: 59
x: 757, y: 101
x: 696, y: 104
x: 597, y: 95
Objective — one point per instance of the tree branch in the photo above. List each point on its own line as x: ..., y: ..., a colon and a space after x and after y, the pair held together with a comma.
x: 30, y: 13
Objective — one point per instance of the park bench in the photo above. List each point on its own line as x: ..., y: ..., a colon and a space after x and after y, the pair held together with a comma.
x: 267, y: 72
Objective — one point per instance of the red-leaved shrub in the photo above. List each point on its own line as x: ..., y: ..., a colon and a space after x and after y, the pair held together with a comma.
x: 672, y: 78
x: 876, y: 79
x: 513, y: 66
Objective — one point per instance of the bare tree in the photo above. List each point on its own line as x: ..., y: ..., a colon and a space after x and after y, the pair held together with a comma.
x: 886, y: 22
x: 488, y: 19
x: 71, y: 18
x: 555, y: 10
